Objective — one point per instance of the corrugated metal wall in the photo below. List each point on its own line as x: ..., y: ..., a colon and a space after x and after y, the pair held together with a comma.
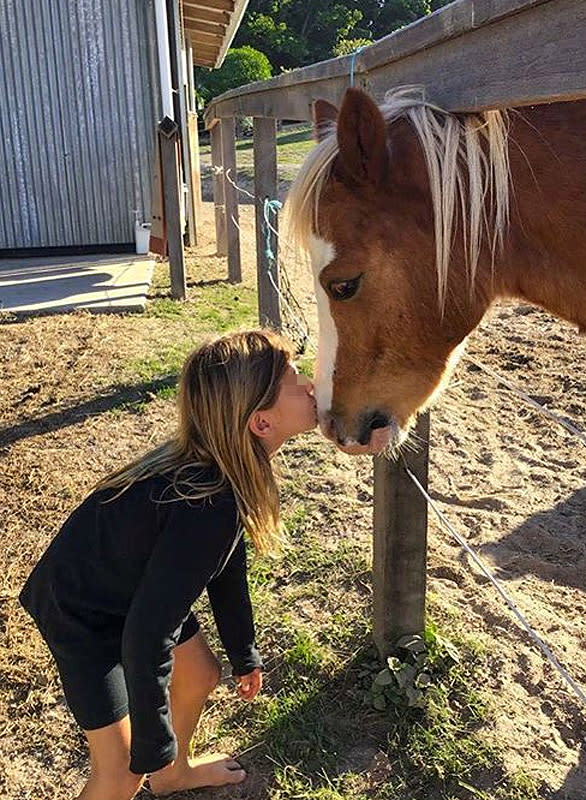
x: 77, y: 119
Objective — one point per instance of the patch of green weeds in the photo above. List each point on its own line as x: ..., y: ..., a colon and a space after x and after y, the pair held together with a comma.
x: 305, y: 653
x: 167, y: 361
x: 166, y: 308
x: 306, y: 365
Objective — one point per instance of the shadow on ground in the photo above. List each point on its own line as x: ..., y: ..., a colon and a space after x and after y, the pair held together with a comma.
x: 550, y: 545
x: 117, y: 396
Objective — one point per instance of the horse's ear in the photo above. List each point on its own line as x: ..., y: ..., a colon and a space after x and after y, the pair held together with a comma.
x: 323, y: 115
x: 362, y: 139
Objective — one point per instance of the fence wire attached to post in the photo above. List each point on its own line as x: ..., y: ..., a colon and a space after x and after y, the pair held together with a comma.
x: 294, y: 321
x: 550, y: 656
x: 291, y: 310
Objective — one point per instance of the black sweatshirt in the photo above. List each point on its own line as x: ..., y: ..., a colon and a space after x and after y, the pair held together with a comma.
x: 124, y: 574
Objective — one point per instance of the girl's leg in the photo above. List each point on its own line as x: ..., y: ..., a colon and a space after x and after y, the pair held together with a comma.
x: 195, y: 675
x: 110, y: 778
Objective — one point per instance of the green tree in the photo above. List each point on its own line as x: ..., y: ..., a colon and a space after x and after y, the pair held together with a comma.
x: 297, y: 32
x: 346, y: 46
x: 241, y: 65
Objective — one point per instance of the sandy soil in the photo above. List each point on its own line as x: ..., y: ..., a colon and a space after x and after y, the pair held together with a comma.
x: 512, y: 482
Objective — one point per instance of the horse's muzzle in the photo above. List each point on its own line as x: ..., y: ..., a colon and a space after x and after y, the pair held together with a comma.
x: 374, y: 432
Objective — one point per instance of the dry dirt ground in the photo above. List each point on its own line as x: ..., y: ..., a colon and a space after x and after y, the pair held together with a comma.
x: 512, y: 482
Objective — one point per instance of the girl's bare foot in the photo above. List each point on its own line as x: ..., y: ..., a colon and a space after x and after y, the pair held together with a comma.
x: 217, y: 769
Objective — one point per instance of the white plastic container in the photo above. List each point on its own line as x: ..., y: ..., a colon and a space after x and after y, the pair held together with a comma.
x: 142, y: 235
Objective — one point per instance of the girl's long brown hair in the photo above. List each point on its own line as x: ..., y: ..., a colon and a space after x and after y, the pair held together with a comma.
x: 223, y: 383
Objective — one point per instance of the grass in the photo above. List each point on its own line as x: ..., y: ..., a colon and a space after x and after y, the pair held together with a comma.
x: 292, y: 147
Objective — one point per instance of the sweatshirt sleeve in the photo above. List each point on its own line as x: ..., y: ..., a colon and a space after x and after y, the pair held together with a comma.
x: 190, y: 547
x: 230, y: 601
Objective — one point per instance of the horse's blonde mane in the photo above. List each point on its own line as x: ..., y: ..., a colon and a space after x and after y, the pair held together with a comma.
x: 460, y: 169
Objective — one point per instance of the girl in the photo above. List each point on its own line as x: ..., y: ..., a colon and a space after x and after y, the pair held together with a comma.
x: 112, y: 595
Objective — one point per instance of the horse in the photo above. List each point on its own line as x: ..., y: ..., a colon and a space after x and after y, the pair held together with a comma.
x: 416, y: 220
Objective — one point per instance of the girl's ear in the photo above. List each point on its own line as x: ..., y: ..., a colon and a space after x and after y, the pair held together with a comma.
x: 259, y: 425
x: 362, y: 139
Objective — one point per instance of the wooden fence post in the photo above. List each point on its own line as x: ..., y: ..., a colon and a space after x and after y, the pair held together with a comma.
x: 231, y: 199
x: 218, y: 188
x: 400, y: 544
x: 265, y: 187
x: 172, y: 189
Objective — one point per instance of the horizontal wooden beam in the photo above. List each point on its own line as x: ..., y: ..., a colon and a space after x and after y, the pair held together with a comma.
x: 198, y: 15
x: 204, y: 27
x: 470, y: 55
x: 206, y: 53
x: 204, y: 62
x: 203, y: 47
x: 210, y: 39
x: 224, y: 5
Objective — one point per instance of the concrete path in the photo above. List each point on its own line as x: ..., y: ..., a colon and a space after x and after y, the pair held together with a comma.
x: 96, y: 283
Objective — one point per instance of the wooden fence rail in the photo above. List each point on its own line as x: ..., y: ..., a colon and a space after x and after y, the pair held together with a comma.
x: 452, y: 53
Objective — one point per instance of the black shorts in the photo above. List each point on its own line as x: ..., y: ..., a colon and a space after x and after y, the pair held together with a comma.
x: 95, y: 687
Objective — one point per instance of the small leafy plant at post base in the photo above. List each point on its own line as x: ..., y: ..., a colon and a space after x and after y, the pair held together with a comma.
x: 420, y: 664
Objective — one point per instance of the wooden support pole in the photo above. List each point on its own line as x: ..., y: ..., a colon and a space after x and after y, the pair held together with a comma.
x: 400, y: 544
x: 191, y: 167
x: 195, y: 170
x: 172, y: 187
x: 265, y: 187
x: 231, y: 199
x: 218, y: 189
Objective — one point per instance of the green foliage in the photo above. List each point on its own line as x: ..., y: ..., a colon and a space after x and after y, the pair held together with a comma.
x: 346, y: 46
x: 242, y: 65
x: 297, y: 32
x: 419, y: 669
x: 426, y: 692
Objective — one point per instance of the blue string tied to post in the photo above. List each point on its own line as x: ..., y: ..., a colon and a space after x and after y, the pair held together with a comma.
x: 353, y: 62
x: 270, y: 206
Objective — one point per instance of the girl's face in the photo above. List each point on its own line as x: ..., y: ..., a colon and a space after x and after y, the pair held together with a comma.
x: 294, y: 412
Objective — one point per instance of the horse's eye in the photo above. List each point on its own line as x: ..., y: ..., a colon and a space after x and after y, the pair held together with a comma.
x: 344, y: 290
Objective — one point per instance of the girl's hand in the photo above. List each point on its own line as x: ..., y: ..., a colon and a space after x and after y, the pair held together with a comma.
x: 249, y: 685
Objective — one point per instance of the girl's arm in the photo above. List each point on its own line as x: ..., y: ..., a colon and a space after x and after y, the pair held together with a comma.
x: 230, y: 601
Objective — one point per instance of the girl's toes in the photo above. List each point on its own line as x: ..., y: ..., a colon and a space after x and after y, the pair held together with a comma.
x: 236, y: 775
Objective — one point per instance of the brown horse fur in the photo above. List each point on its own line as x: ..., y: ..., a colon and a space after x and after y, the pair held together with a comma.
x: 395, y: 342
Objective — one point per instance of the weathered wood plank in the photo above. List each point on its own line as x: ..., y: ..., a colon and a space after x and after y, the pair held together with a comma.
x: 206, y: 51
x: 198, y: 15
x: 204, y: 27
x: 195, y: 169
x: 231, y: 199
x: 218, y: 190
x: 452, y: 53
x: 224, y: 5
x: 211, y: 39
x: 400, y: 545
x: 463, y: 73
x: 265, y: 186
x: 173, y: 188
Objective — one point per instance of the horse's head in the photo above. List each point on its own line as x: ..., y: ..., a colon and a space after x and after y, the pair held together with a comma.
x: 387, y: 339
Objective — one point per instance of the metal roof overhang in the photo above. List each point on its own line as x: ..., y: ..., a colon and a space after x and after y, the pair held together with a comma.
x: 210, y: 26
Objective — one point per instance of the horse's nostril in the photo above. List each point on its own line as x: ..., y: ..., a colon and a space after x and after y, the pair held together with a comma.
x: 371, y: 422
x: 378, y: 421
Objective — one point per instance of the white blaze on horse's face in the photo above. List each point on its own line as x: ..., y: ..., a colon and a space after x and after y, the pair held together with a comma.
x: 323, y: 253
